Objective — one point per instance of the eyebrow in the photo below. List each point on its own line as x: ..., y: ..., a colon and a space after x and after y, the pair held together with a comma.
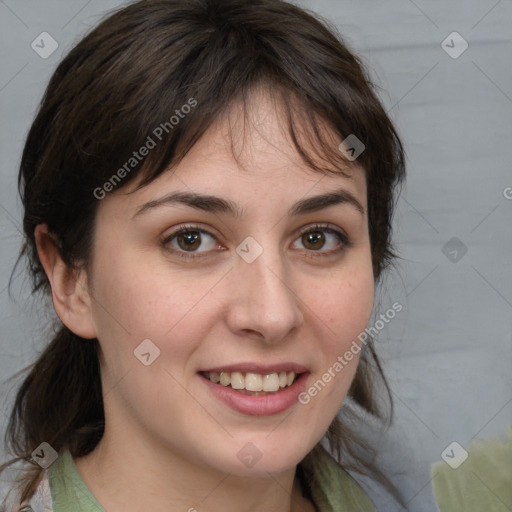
x: 214, y: 204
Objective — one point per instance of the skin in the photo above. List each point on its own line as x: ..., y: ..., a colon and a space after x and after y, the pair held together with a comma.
x: 168, y: 442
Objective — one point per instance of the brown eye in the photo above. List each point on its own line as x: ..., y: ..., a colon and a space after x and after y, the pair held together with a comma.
x: 313, y: 240
x: 189, y: 240
x: 323, y: 237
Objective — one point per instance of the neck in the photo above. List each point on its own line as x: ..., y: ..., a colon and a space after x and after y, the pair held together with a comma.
x: 131, y: 476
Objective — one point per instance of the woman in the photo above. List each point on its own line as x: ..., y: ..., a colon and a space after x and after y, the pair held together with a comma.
x: 208, y: 187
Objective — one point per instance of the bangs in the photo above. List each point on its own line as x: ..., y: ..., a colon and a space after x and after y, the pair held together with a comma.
x: 144, y: 66
x: 316, y: 141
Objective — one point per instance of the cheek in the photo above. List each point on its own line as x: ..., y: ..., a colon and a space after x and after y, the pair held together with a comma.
x: 349, y: 304
x: 135, y: 301
x: 342, y: 307
x: 342, y: 303
x: 143, y: 297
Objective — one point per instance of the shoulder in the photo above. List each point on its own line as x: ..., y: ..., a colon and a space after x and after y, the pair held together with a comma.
x: 332, y: 488
x: 60, y: 489
x: 480, y: 477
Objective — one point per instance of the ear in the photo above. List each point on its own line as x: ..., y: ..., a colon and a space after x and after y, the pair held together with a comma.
x: 71, y: 298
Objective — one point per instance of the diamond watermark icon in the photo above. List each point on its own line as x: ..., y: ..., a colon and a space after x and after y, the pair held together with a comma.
x: 249, y: 249
x: 352, y: 147
x: 454, y: 249
x: 146, y: 352
x: 454, y: 45
x: 44, y: 45
x: 454, y: 455
x: 44, y: 455
x: 249, y: 455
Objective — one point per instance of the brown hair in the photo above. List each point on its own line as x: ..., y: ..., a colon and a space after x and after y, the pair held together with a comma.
x: 120, y: 82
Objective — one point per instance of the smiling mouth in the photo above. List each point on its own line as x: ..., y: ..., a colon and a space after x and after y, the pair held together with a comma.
x: 249, y: 383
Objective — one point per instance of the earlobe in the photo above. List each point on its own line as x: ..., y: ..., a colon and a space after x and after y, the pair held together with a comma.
x: 70, y: 295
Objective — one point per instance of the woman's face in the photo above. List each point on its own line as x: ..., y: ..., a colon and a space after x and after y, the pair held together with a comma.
x: 251, y: 294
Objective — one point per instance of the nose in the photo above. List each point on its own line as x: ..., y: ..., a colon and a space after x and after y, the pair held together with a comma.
x: 263, y: 304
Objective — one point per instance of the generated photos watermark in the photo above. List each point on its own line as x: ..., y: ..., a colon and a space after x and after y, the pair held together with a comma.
x: 343, y: 360
x: 150, y: 143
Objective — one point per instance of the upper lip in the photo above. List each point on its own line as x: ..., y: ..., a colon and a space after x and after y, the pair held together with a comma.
x: 263, y: 369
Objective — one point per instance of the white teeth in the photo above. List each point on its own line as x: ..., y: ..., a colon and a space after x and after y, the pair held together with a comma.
x: 253, y: 382
x: 271, y: 382
x: 225, y: 378
x: 237, y: 380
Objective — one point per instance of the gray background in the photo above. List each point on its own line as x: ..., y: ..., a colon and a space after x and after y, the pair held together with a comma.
x: 448, y: 354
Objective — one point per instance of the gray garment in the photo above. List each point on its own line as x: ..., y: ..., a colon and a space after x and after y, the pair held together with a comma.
x: 40, y: 502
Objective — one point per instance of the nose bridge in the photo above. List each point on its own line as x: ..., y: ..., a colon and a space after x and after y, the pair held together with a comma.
x: 264, y: 300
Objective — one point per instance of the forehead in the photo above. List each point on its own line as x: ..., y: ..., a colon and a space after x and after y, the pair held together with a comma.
x: 248, y: 155
x: 258, y: 130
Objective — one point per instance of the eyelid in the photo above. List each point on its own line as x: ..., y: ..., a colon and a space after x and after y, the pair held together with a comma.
x: 330, y: 228
x: 345, y: 241
x: 184, y: 229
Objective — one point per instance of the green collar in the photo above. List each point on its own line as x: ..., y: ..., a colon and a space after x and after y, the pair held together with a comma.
x: 69, y: 491
x: 332, y: 488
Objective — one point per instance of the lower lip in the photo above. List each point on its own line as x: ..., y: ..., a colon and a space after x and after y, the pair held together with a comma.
x: 259, y: 405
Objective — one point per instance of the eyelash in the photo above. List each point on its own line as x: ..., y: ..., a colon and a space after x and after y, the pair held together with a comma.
x: 342, y: 237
